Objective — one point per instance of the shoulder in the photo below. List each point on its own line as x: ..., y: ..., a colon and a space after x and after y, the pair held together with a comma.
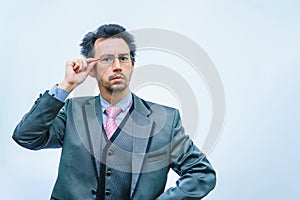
x: 81, y: 101
x: 157, y: 107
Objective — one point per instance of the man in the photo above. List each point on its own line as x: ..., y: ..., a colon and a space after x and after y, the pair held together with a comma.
x: 115, y: 145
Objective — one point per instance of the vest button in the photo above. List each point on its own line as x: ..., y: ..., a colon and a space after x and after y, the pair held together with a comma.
x: 93, y: 191
x: 109, y: 153
x: 107, y: 192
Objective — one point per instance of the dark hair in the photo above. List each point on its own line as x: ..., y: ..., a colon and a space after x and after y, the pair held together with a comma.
x: 107, y: 31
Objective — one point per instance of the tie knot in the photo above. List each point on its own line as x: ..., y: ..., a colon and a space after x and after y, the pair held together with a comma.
x: 112, y: 111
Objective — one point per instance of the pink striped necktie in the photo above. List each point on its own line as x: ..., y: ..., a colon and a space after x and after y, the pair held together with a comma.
x: 111, y: 125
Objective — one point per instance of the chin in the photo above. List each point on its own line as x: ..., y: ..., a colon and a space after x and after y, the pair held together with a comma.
x: 118, y: 88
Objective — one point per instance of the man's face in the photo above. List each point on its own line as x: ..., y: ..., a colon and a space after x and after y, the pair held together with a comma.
x: 113, y: 77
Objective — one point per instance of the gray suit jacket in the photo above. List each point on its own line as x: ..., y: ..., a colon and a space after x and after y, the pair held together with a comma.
x: 159, y: 143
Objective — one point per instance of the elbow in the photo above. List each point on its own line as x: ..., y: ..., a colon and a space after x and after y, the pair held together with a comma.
x: 207, y: 183
x: 23, y: 139
x: 18, y: 136
x: 213, y: 180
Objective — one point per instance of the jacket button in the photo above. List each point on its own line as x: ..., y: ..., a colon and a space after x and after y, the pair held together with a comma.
x: 107, y: 192
x: 109, y: 153
x: 93, y: 191
x: 108, y: 173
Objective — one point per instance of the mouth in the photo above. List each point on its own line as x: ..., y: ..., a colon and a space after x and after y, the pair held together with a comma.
x: 116, y: 78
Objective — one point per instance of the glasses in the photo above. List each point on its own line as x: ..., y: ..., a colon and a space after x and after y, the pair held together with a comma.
x: 109, y: 59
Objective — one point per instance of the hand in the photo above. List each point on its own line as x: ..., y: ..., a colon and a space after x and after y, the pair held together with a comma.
x: 76, y: 72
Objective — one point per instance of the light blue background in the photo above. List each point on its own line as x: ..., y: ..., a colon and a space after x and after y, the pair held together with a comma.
x: 254, y: 45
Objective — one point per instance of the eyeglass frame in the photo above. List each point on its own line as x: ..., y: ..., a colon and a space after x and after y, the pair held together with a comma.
x: 131, y: 58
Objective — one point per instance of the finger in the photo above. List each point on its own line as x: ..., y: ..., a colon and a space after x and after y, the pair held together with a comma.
x: 71, y: 65
x: 84, y: 63
x: 91, y: 60
x: 81, y: 64
x: 91, y: 66
x: 76, y: 68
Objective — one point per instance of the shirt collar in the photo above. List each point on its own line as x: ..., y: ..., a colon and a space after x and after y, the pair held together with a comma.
x: 123, y: 103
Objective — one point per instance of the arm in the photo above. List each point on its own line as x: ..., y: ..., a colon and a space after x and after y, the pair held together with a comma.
x: 197, y: 177
x: 44, y: 125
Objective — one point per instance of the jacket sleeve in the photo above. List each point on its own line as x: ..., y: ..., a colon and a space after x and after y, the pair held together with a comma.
x: 197, y: 177
x: 43, y: 126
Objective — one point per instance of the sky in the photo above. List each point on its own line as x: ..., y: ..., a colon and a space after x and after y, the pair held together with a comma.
x: 254, y: 46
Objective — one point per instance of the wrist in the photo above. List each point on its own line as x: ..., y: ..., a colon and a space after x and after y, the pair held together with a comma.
x: 66, y: 86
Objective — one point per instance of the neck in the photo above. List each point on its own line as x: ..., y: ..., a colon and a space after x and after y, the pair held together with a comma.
x: 114, y: 97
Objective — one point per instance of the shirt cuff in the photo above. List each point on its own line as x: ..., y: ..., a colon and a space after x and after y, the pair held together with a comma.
x: 58, y: 93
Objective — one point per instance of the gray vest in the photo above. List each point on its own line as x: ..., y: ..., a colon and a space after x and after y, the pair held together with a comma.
x: 115, y: 166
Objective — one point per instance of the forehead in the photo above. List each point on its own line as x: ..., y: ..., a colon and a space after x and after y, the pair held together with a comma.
x: 110, y: 46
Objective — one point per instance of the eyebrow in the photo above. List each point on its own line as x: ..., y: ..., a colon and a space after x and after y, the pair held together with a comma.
x: 120, y: 54
x: 124, y: 54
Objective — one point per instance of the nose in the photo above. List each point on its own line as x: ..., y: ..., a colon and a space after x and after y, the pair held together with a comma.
x: 116, y: 65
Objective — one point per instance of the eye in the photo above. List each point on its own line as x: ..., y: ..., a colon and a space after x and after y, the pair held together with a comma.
x: 107, y: 59
x: 124, y: 58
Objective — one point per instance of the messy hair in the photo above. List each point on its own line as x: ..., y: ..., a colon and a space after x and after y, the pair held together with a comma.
x: 107, y: 31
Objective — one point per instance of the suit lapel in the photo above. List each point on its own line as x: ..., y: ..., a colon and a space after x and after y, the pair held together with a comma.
x: 88, y: 124
x: 94, y: 122
x: 141, y: 126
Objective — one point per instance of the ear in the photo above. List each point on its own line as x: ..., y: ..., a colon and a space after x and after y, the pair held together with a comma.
x: 132, y: 63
